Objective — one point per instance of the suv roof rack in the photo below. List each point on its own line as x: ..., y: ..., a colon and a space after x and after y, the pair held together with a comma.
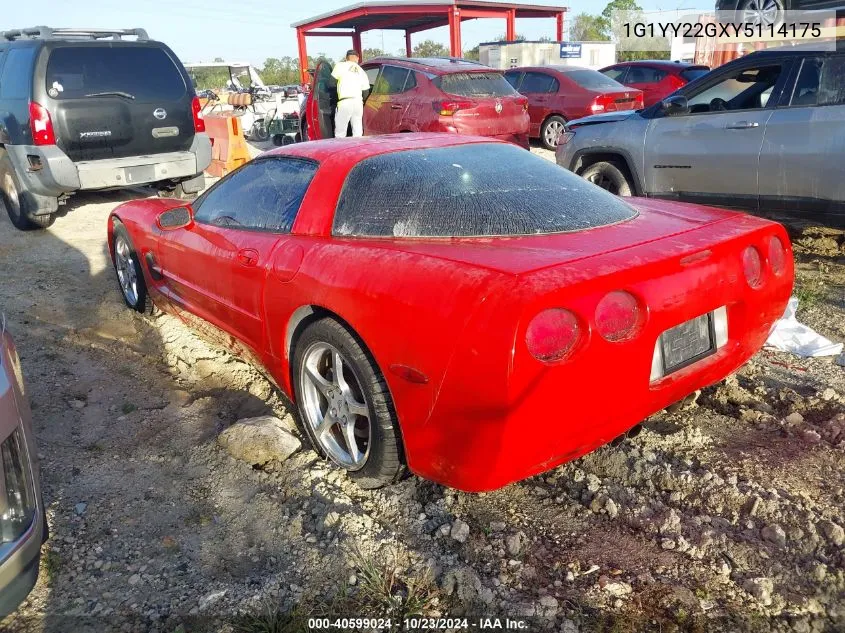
x: 47, y: 33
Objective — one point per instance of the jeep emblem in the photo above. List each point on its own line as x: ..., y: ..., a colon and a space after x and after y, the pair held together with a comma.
x: 160, y: 113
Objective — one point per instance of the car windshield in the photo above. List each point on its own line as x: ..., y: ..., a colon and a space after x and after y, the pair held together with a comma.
x: 592, y: 80
x: 475, y: 85
x: 143, y: 73
x: 488, y: 189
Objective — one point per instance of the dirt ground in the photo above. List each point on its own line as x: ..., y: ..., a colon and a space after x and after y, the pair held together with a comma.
x: 724, y: 514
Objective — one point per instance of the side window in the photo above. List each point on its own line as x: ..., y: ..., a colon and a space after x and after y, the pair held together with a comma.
x: 642, y: 75
x: 820, y: 82
x: 17, y: 73
x: 513, y: 79
x: 372, y: 75
x: 391, y: 80
x: 537, y: 83
x: 411, y: 82
x: 263, y: 195
x: 743, y: 89
x: 616, y: 74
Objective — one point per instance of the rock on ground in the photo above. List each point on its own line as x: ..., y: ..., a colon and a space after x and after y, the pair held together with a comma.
x: 259, y: 440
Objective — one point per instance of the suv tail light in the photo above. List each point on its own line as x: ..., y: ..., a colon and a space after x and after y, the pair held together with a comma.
x: 196, y: 109
x: 41, y: 125
x: 552, y: 335
x: 618, y: 316
x: 752, y: 266
x: 450, y: 106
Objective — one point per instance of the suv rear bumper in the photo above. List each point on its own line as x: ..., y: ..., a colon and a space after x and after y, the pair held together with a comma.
x: 59, y: 174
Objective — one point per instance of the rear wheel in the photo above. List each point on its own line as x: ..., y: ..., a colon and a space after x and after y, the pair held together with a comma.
x: 16, y: 204
x: 551, y: 130
x: 608, y: 176
x: 130, y: 276
x: 344, y: 404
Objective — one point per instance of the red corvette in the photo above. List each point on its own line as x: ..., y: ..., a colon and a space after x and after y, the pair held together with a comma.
x: 454, y: 304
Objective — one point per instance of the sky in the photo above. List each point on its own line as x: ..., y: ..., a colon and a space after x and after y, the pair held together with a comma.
x: 253, y: 30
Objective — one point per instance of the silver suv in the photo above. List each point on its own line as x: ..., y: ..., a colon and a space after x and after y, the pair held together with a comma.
x: 766, y: 131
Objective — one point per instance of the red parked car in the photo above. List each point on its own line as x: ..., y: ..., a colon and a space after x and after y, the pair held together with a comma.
x: 454, y: 304
x: 657, y: 79
x: 425, y: 95
x: 557, y: 94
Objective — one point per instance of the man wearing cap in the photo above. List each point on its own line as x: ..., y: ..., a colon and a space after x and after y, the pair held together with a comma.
x: 352, y: 82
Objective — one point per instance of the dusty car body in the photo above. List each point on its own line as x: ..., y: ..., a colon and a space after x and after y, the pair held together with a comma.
x: 488, y: 317
x: 23, y: 527
x: 762, y: 132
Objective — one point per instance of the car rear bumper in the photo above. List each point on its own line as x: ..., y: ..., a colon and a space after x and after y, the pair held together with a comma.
x: 60, y: 175
x: 534, y: 416
x: 517, y: 138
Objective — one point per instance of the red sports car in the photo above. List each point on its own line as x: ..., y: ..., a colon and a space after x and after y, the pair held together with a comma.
x: 454, y: 304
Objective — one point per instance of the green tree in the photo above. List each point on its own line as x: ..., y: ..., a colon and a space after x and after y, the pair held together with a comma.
x: 473, y: 53
x: 430, y: 48
x: 369, y: 53
x: 618, y: 12
x: 504, y: 38
x: 589, y: 28
x: 620, y: 5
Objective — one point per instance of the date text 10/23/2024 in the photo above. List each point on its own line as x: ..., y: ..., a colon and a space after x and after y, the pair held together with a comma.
x: 418, y: 624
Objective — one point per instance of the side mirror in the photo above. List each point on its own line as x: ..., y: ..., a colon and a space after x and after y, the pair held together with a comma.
x: 177, y: 218
x: 674, y: 105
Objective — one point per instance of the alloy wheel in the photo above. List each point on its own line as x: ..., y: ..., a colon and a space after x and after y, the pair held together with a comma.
x: 126, y: 271
x: 553, y: 131
x: 335, y: 406
x: 762, y: 12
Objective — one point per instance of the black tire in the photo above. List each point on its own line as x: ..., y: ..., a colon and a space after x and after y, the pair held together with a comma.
x: 16, y: 204
x: 260, y: 131
x: 141, y: 301
x: 608, y: 176
x: 547, y: 128
x: 384, y: 463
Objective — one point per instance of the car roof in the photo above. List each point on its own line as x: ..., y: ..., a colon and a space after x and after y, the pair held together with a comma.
x: 435, y: 64
x: 660, y: 63
x: 800, y: 50
x: 559, y: 68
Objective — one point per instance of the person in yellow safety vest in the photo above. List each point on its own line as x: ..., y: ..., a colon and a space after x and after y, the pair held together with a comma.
x: 352, y: 82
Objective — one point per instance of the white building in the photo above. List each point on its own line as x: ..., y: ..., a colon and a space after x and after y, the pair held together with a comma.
x: 505, y: 55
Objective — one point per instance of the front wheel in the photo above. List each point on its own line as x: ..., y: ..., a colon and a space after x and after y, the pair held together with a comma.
x: 551, y: 130
x: 130, y: 277
x: 609, y: 177
x: 344, y: 404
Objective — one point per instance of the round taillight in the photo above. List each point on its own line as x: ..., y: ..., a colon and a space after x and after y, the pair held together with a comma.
x: 618, y: 316
x: 777, y: 255
x: 552, y: 335
x: 752, y: 266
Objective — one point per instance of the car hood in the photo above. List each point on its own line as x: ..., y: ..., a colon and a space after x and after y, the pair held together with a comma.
x: 607, y: 117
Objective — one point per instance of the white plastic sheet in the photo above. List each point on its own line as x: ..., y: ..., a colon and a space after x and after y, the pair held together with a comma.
x: 788, y: 335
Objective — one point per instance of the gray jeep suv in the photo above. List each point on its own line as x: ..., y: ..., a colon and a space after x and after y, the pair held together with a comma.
x: 90, y: 109
x: 766, y: 131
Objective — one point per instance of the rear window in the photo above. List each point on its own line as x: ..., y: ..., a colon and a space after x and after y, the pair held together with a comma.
x: 592, y: 80
x: 475, y: 85
x: 691, y: 74
x: 147, y: 73
x: 486, y: 189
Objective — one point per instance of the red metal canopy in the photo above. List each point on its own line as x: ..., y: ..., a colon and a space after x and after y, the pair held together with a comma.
x: 413, y: 17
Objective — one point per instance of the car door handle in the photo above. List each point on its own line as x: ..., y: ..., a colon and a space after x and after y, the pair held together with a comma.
x: 742, y: 125
x: 395, y: 107
x: 248, y: 257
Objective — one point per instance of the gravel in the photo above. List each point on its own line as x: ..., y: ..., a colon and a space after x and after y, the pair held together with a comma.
x: 724, y: 513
